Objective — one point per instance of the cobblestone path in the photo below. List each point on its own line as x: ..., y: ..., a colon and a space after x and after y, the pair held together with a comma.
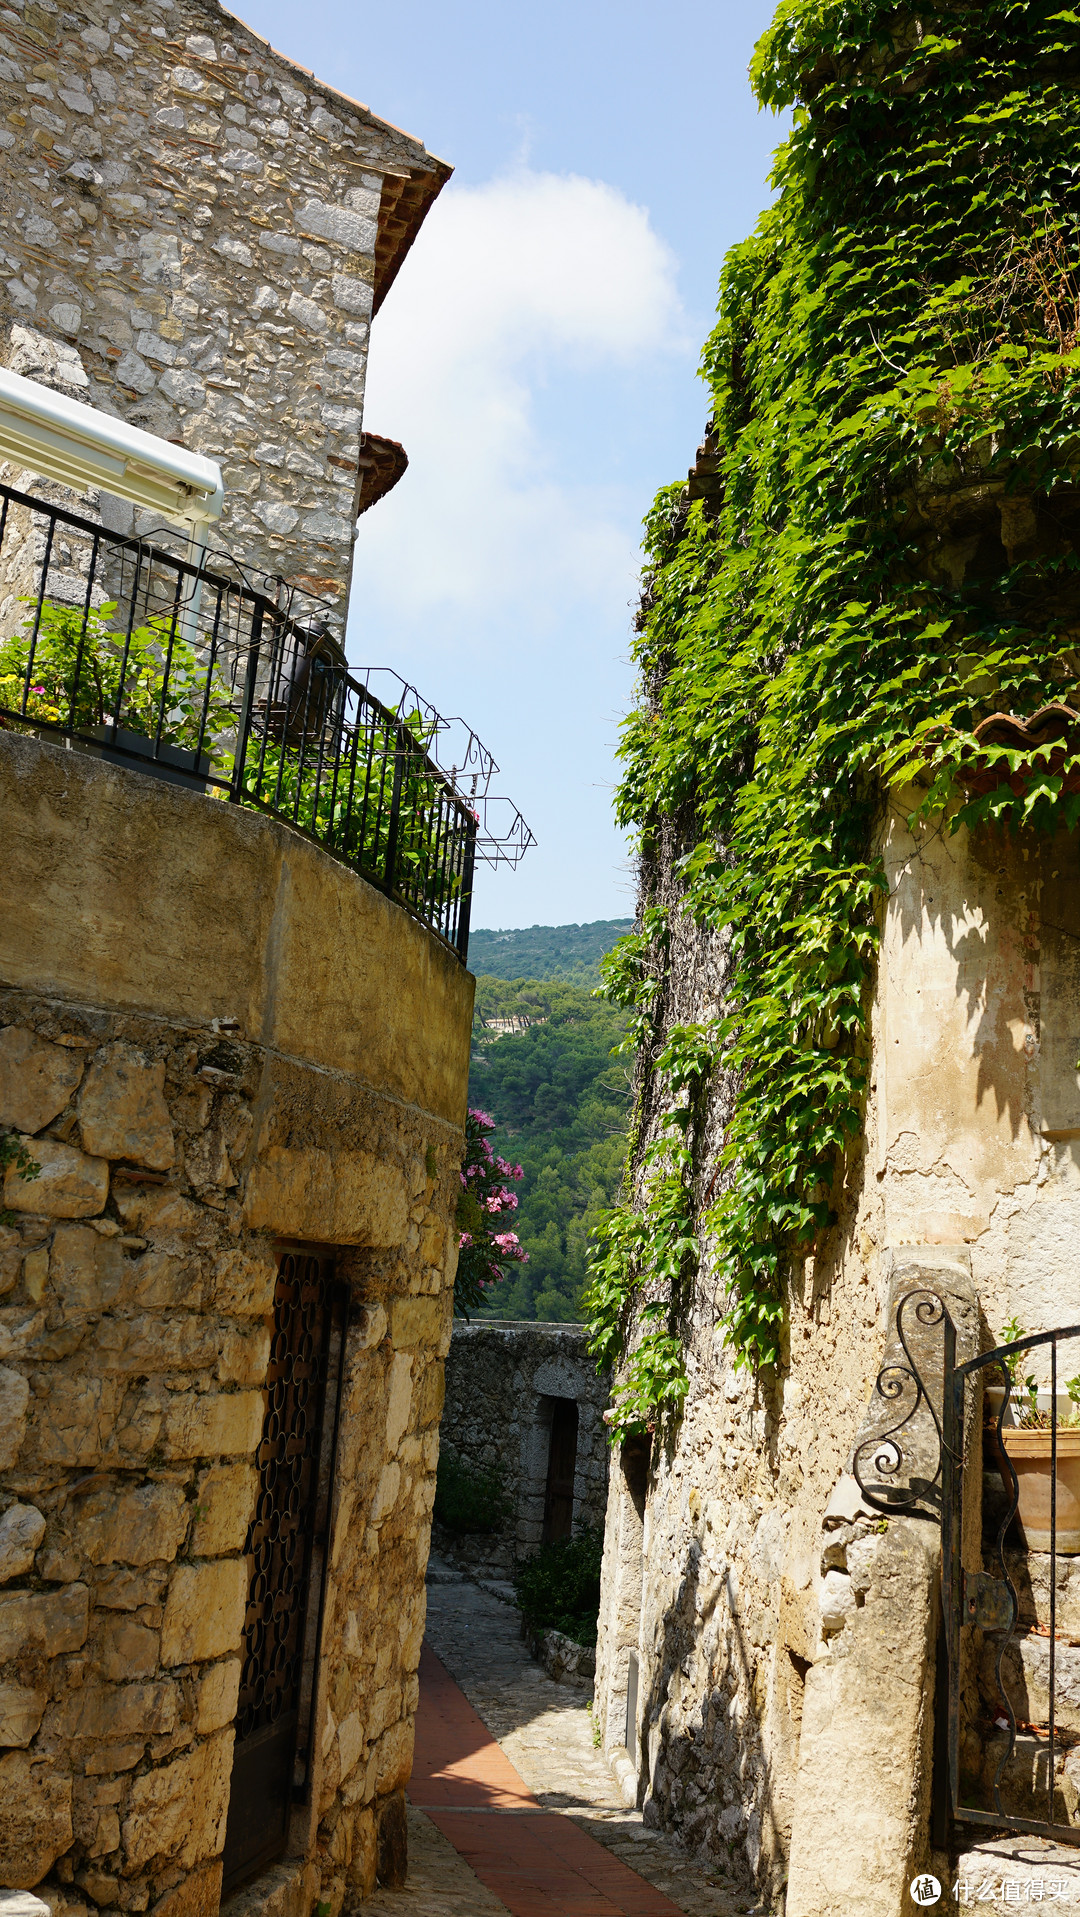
x: 545, y: 1735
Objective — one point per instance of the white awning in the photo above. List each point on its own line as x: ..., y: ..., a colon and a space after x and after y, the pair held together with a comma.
x: 61, y: 438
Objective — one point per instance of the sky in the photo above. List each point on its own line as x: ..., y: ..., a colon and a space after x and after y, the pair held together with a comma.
x: 537, y: 357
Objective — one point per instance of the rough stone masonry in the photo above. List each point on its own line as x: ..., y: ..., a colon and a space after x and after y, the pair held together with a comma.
x: 213, y: 230
x: 216, y: 1043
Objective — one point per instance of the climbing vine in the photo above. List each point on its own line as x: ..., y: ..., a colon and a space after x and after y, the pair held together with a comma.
x: 887, y: 554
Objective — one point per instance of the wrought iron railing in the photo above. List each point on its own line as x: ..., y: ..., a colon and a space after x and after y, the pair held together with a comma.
x: 1011, y: 1660
x: 196, y: 674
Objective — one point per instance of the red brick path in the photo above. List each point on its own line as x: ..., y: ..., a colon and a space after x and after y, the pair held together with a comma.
x: 537, y: 1861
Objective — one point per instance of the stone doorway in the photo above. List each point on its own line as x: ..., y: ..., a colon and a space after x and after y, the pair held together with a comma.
x: 286, y: 1551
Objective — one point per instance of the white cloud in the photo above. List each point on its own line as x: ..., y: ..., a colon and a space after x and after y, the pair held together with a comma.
x: 509, y: 286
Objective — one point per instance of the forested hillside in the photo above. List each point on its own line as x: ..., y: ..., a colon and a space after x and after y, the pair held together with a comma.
x: 561, y: 1104
x: 569, y: 952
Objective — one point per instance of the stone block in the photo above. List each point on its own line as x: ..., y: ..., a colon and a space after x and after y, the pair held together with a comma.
x: 198, y: 1896
x: 204, y: 1611
x: 141, y: 1526
x: 431, y: 1396
x: 344, y: 1198
x: 159, y: 1279
x: 244, y: 1280
x: 350, y: 1742
x: 223, y: 1508
x: 179, y: 1811
x: 71, y: 1417
x: 22, y: 1903
x: 393, y: 1758
x: 399, y: 1401
x: 21, y: 1712
x: 219, y: 1689
x: 418, y: 1322
x: 129, y: 1650
x: 244, y: 1354
x: 87, y: 1270
x: 386, y: 1493
x: 122, y: 1109
x: 118, y: 1710
x: 70, y: 1184
x: 167, y: 1219
x: 107, y: 1759
x: 393, y: 1842
x: 36, y: 1079
x: 127, y: 1590
x: 35, y: 1819
x: 213, y: 1425
x: 14, y: 1399
x: 156, y: 1342
x: 36, y: 1273
x: 49, y: 1622
x: 364, y: 1853
x: 11, y: 1258
x: 22, y: 1528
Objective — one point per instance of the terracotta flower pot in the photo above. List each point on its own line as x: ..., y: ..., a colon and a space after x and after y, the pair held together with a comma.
x: 1029, y: 1452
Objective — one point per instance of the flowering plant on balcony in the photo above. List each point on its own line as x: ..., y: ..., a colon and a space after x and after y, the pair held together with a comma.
x: 70, y: 666
x: 486, y: 1249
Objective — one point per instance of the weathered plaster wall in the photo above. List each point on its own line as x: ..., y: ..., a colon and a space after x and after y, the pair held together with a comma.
x: 501, y: 1380
x: 212, y: 1037
x: 210, y: 227
x: 723, y: 1587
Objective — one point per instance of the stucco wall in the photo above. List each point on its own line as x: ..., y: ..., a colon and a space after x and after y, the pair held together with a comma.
x: 212, y: 1038
x: 970, y: 1152
x: 209, y: 226
x: 501, y: 1381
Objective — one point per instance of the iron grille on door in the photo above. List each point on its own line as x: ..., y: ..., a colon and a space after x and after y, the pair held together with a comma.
x: 286, y: 1551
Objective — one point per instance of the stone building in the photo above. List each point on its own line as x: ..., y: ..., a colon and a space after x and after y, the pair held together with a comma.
x: 525, y: 1402
x: 232, y: 1071
x: 232, y: 1171
x: 792, y: 1677
x: 213, y: 230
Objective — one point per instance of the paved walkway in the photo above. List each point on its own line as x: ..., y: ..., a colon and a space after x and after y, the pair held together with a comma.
x: 500, y: 1754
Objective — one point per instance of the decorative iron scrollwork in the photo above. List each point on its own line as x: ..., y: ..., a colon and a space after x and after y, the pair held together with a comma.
x: 900, y: 1456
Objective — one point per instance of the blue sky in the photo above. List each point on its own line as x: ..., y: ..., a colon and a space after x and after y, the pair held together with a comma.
x: 538, y: 359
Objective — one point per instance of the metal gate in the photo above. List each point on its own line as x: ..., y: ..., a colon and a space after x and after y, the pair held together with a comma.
x: 286, y: 1551
x: 1020, y: 1649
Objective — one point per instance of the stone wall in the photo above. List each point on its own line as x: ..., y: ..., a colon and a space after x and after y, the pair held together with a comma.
x: 212, y: 228
x: 719, y: 1578
x: 502, y: 1380
x: 212, y: 1039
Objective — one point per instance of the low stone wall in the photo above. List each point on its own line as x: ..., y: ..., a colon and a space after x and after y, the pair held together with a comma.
x: 502, y: 1380
x: 214, y: 1042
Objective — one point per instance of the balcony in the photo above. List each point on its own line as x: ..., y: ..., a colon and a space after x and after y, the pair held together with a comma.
x: 237, y: 688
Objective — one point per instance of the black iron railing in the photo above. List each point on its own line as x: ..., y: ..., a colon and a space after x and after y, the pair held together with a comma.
x: 1008, y: 1704
x: 118, y: 647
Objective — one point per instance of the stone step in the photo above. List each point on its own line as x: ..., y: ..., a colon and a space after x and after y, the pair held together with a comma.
x: 1024, y: 1780
x: 1025, y: 1673
x: 1003, y: 1871
x: 1030, y: 1574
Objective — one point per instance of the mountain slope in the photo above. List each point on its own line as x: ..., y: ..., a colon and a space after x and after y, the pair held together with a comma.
x: 568, y: 952
x: 561, y: 1104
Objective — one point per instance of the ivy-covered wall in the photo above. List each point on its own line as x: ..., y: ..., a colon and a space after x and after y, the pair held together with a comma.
x: 887, y: 556
x: 853, y: 983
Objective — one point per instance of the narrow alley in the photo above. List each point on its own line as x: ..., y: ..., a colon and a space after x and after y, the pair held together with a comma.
x: 511, y: 1808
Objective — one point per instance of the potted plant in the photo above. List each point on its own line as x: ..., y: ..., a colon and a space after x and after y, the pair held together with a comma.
x: 1029, y: 1443
x: 143, y: 699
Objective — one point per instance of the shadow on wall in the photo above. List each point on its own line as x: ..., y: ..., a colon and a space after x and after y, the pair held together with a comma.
x: 689, y: 1759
